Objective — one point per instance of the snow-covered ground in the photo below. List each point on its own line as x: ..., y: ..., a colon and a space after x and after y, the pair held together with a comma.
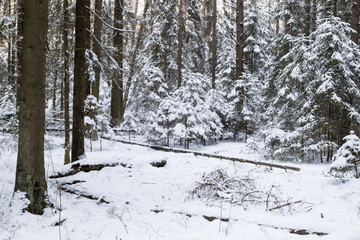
x: 152, y: 203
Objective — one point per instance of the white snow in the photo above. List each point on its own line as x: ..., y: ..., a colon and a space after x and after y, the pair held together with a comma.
x: 151, y: 203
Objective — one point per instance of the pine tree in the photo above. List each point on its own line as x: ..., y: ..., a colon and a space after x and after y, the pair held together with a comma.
x: 318, y: 92
x: 347, y: 159
x: 117, y: 92
x: 30, y: 169
x: 82, y: 43
x: 148, y: 91
x: 187, y: 115
x: 257, y: 38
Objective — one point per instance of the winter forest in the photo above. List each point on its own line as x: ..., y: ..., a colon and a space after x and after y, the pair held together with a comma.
x: 180, y: 119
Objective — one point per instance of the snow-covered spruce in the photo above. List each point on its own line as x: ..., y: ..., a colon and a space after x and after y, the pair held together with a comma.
x: 347, y: 159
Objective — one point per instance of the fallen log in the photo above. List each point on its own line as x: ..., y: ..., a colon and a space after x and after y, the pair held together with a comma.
x: 85, y: 195
x: 202, y: 154
x: 76, y: 168
x: 291, y: 230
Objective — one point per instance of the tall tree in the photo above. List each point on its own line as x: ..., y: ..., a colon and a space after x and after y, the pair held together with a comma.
x: 137, y: 42
x: 313, y: 15
x: 307, y: 20
x: 355, y: 20
x: 82, y: 43
x: 95, y: 88
x: 30, y: 170
x: 239, y: 38
x: 214, y: 45
x: 117, y: 98
x: 20, y: 17
x: 11, y: 43
x: 66, y: 81
x: 180, y: 41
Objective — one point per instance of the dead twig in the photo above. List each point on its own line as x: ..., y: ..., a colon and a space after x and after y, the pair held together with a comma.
x: 285, y: 205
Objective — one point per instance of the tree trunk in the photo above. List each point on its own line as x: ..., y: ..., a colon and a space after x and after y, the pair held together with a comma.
x: 355, y: 20
x: 54, y: 92
x: 82, y: 37
x: 66, y: 82
x: 180, y: 41
x: 239, y: 38
x: 20, y: 30
x: 138, y: 40
x: 117, y: 100
x: 335, y: 8
x: 277, y: 21
x: 95, y: 88
x: 11, y: 44
x: 30, y: 170
x: 313, y: 15
x: 214, y: 45
x: 307, y: 20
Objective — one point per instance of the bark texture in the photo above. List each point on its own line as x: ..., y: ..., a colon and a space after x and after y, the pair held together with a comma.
x: 30, y: 170
x: 307, y: 18
x: 214, y: 45
x: 355, y: 20
x: 66, y: 82
x: 95, y: 88
x: 180, y: 41
x: 239, y: 38
x: 117, y: 93
x: 82, y: 42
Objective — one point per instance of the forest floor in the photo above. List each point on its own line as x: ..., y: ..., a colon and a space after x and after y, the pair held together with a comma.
x: 136, y: 201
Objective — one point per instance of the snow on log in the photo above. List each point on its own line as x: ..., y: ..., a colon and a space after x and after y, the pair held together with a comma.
x: 77, y: 167
x: 202, y: 154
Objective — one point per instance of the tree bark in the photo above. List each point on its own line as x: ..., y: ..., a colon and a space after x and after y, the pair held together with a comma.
x: 335, y: 8
x: 214, y: 46
x: 239, y: 38
x: 95, y: 88
x: 30, y: 170
x: 117, y: 100
x: 277, y: 21
x: 307, y: 20
x: 66, y: 82
x: 180, y: 41
x: 20, y: 30
x: 313, y: 15
x: 54, y: 92
x: 355, y: 20
x: 11, y: 43
x: 82, y: 40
